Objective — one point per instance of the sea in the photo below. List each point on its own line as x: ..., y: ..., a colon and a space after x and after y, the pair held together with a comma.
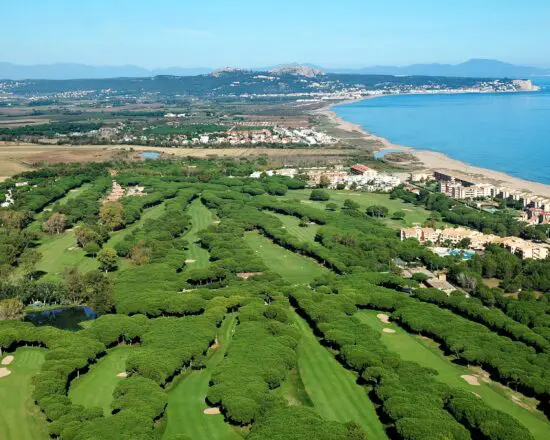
x: 508, y: 132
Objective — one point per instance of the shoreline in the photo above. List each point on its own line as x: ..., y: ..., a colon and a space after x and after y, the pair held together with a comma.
x: 433, y: 160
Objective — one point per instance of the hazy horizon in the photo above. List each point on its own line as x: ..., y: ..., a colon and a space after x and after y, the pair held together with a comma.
x: 169, y: 33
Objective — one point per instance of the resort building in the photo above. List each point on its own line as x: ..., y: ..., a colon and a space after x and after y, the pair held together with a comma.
x: 478, y: 240
x: 363, y: 170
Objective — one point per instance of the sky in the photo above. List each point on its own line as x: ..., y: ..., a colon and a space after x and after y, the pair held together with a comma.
x: 257, y: 33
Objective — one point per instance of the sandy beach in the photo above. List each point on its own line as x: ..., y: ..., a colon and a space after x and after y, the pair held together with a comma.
x: 438, y: 161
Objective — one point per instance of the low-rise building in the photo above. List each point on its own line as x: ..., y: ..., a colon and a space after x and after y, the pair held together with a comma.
x: 363, y: 170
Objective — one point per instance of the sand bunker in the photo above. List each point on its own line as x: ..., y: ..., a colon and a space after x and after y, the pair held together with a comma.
x: 189, y: 261
x: 7, y: 360
x: 388, y: 330
x: 212, y: 411
x: 384, y: 318
x: 472, y: 380
x: 123, y: 374
x: 4, y: 372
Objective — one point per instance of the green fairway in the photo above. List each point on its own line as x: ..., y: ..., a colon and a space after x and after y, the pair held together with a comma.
x: 414, y: 214
x: 201, y: 218
x: 147, y: 214
x: 61, y: 251
x: 291, y: 224
x: 331, y: 388
x: 95, y: 388
x: 36, y: 225
x: 427, y: 354
x: 186, y: 398
x: 295, y: 268
x: 20, y: 418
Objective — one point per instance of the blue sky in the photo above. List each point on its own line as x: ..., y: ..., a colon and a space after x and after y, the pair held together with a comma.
x: 214, y: 33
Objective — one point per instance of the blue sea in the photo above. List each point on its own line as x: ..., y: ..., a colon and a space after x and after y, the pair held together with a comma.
x: 508, y: 132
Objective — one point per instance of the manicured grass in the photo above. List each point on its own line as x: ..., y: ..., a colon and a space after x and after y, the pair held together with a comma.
x: 61, y: 251
x: 414, y: 214
x: 96, y: 387
x: 20, y: 418
x: 291, y: 224
x: 296, y: 269
x: 333, y: 389
x: 186, y: 398
x: 147, y: 214
x: 201, y: 218
x: 427, y: 353
x: 36, y: 225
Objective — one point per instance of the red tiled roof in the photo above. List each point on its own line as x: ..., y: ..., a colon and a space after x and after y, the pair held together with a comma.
x: 360, y: 167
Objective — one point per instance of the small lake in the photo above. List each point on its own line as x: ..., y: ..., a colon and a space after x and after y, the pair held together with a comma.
x: 65, y: 318
x: 150, y: 155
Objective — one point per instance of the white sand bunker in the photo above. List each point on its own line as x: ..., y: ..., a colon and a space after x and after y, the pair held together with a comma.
x: 123, y: 374
x: 472, y: 380
x: 212, y: 411
x: 388, y: 330
x: 189, y: 261
x: 384, y: 318
x: 7, y: 360
x: 4, y: 372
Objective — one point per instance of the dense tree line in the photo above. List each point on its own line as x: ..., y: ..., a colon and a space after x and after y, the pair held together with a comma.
x: 410, y: 396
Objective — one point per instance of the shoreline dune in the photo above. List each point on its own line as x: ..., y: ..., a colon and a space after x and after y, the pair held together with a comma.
x: 439, y: 161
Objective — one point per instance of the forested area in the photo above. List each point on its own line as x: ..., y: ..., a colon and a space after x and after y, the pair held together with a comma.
x: 165, y: 270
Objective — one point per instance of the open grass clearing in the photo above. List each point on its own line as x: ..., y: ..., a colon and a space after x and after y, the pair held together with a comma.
x: 96, y: 387
x: 292, y: 225
x: 294, y: 268
x: 20, y: 418
x: 413, y: 214
x: 186, y: 397
x: 333, y: 389
x: 426, y: 353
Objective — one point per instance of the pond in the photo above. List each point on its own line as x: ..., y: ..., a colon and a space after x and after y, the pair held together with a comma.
x: 65, y: 318
x: 150, y: 155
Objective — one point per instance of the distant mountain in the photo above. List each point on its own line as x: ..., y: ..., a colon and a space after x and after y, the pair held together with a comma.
x: 475, y: 68
x: 83, y: 71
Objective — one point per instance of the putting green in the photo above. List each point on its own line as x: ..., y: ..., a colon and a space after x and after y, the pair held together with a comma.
x: 186, y: 398
x: 96, y: 387
x: 20, y: 418
x: 333, y: 389
x: 426, y: 353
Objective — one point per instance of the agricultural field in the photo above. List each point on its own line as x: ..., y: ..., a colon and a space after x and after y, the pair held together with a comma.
x: 227, y: 309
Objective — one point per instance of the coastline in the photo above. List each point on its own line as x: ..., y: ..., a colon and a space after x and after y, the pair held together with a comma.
x: 432, y: 160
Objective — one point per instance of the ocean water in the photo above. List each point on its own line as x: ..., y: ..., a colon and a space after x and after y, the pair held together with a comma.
x: 508, y: 132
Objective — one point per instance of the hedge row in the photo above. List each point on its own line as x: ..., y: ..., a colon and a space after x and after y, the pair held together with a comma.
x: 410, y: 396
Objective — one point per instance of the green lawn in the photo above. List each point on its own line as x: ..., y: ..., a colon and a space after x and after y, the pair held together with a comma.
x: 291, y: 224
x: 201, y: 218
x: 36, y: 225
x: 186, y: 398
x: 295, y: 268
x: 20, y: 418
x: 333, y: 389
x: 96, y: 387
x: 414, y: 214
x: 427, y: 353
x: 61, y: 251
